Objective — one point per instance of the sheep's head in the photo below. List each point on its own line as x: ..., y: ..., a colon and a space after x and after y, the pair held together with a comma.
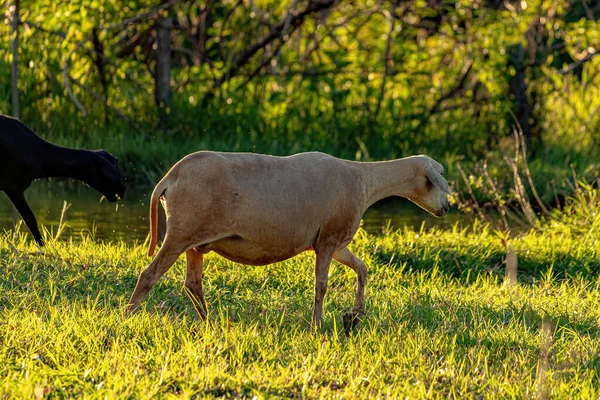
x: 429, y: 189
x: 105, y: 176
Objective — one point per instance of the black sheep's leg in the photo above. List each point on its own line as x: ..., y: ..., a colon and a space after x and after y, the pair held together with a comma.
x: 18, y: 199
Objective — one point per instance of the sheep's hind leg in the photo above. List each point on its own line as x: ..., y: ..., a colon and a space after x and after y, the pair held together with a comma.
x: 322, y: 263
x: 163, y: 260
x: 193, y: 281
x: 346, y: 257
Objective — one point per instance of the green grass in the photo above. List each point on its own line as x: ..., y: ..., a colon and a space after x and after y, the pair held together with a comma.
x: 440, y: 321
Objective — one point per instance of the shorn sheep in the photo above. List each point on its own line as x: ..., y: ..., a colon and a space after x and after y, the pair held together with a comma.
x: 258, y: 209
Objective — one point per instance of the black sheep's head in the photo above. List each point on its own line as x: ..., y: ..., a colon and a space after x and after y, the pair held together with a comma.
x: 105, y: 176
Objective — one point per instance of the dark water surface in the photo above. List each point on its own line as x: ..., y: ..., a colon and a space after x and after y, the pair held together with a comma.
x: 128, y: 219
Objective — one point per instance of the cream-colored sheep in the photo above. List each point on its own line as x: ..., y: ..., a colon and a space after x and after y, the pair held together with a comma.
x: 257, y: 209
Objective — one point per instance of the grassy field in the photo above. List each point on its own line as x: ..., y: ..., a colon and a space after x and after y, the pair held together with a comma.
x: 441, y: 321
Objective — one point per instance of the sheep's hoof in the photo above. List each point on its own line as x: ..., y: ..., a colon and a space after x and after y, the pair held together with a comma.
x: 351, y: 319
x: 129, y: 310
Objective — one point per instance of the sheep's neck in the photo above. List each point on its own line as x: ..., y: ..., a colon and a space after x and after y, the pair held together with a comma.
x: 61, y: 162
x: 386, y: 178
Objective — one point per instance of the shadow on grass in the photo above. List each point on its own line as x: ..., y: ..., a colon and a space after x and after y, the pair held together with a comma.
x: 292, y: 304
x: 469, y: 266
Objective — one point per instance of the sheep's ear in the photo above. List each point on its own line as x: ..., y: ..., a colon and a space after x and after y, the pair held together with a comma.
x: 437, y: 179
x: 108, y: 156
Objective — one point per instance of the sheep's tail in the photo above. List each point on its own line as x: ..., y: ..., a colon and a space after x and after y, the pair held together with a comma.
x: 159, y: 190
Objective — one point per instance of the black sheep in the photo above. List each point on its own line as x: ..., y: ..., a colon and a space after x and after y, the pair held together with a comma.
x: 24, y: 157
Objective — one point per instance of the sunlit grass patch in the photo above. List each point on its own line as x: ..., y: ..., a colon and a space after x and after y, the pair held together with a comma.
x: 440, y: 322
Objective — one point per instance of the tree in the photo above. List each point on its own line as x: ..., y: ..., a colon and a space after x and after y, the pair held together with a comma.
x: 15, y: 58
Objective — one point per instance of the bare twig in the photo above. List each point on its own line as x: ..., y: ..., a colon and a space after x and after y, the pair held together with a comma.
x: 520, y: 137
x: 460, y: 83
x: 579, y: 62
x: 520, y: 193
x: 261, y: 15
x: 499, y: 201
x: 71, y: 94
x: 99, y: 98
x: 575, y: 180
x: 262, y: 65
x: 367, y: 17
x: 244, y: 57
x: 15, y: 56
x: 202, y: 29
x: 475, y: 203
x: 129, y: 47
x: 38, y: 27
x: 66, y: 76
x: 284, y: 36
x: 224, y: 23
x: 588, y: 12
x: 512, y: 266
x: 386, y: 60
x: 328, y: 30
x: 555, y: 194
x: 547, y: 340
x: 150, y: 14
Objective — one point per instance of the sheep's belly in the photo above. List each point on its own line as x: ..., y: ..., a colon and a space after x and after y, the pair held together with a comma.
x: 250, y: 253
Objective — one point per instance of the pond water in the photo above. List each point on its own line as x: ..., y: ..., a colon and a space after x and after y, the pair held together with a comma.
x: 128, y: 219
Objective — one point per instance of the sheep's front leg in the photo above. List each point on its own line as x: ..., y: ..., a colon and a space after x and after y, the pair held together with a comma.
x: 322, y: 263
x: 18, y: 199
x: 345, y: 256
x: 193, y: 281
x: 164, y: 259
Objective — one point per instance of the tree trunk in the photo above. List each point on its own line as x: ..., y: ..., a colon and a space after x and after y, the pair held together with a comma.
x: 15, y: 59
x: 518, y: 90
x: 100, y: 60
x: 162, y: 73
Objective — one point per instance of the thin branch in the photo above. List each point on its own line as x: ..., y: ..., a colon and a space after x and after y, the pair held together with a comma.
x: 367, y: 18
x: 261, y: 66
x: 38, y: 27
x: 99, y: 98
x: 244, y: 57
x: 460, y: 83
x: 71, y: 94
x: 285, y: 37
x: 150, y: 14
x: 588, y: 13
x: 14, y: 33
x: 578, y: 63
x: 130, y: 45
x: 520, y: 137
x: 262, y: 17
x: 65, y: 70
x: 316, y: 41
x: 475, y: 203
x: 66, y: 76
x: 499, y: 201
x: 386, y: 60
x: 224, y: 23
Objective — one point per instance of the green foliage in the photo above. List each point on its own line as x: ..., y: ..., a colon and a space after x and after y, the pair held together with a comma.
x: 323, y: 85
x: 581, y: 212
